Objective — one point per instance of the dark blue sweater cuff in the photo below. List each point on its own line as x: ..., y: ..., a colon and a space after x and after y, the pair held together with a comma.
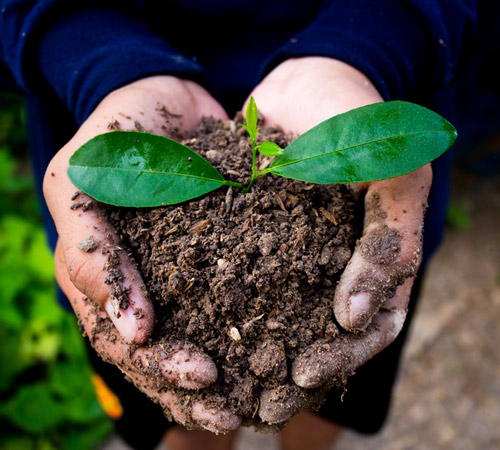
x: 89, y: 53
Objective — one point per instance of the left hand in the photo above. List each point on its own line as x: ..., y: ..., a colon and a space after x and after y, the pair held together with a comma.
x: 178, y: 369
x: 120, y: 336
x: 373, y: 293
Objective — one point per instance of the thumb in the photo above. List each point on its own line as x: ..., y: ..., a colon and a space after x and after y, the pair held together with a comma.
x: 389, y: 252
x: 97, y: 264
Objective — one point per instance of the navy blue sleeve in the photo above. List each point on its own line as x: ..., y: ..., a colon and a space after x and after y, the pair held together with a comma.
x: 82, y: 53
x: 407, y: 48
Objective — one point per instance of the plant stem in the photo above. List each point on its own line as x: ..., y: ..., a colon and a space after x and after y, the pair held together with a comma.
x: 233, y: 183
x: 247, y: 188
x: 262, y: 172
x: 254, y: 157
x: 254, y: 174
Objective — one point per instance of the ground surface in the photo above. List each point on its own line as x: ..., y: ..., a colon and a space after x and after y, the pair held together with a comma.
x: 448, y: 394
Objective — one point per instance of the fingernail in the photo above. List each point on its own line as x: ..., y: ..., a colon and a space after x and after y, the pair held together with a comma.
x: 123, y: 319
x: 360, y: 310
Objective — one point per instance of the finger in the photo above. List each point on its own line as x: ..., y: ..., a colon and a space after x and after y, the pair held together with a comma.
x: 301, y: 93
x: 388, y: 253
x: 173, y: 407
x: 96, y: 263
x: 191, y: 414
x: 176, y: 365
x: 324, y: 362
x: 214, y: 419
x: 280, y: 404
x: 167, y: 364
x: 161, y: 105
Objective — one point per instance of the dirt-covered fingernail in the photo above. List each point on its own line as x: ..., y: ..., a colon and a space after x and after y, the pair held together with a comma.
x: 123, y: 319
x: 360, y: 310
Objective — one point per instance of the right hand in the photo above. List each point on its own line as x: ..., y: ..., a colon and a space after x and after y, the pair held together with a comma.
x: 158, y: 104
x: 372, y: 295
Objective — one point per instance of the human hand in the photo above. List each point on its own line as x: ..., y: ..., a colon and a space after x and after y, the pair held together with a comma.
x: 372, y: 295
x: 90, y: 261
x: 153, y: 368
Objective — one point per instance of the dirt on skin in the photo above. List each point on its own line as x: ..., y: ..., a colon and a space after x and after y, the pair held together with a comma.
x: 247, y: 278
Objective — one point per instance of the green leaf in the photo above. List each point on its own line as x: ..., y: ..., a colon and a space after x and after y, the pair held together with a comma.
x: 72, y: 346
x: 71, y: 383
x: 34, y: 409
x: 458, y: 217
x: 90, y: 437
x: 68, y: 379
x: 251, y: 116
x: 128, y: 168
x: 17, y: 443
x: 252, y: 133
x: 269, y: 149
x: 12, y: 363
x: 375, y: 142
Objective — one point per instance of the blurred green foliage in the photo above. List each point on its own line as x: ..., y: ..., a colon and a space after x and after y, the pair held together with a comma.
x: 47, y: 400
x: 458, y: 217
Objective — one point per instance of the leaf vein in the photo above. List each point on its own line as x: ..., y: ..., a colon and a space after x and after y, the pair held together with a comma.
x: 277, y: 166
x: 153, y: 172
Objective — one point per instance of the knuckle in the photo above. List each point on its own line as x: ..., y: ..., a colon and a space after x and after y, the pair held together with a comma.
x: 392, y: 252
x: 84, y: 275
x: 77, y: 269
x: 381, y: 246
x: 172, y: 407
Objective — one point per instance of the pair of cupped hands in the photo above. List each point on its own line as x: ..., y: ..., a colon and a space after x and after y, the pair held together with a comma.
x: 297, y: 95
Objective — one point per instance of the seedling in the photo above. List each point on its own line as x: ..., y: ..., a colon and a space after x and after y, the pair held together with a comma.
x: 266, y: 148
x: 374, y: 142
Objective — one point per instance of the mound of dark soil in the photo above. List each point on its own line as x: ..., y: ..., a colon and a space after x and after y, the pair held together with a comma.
x: 248, y: 278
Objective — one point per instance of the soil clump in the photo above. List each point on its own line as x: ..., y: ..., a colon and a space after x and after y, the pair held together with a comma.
x: 247, y: 278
